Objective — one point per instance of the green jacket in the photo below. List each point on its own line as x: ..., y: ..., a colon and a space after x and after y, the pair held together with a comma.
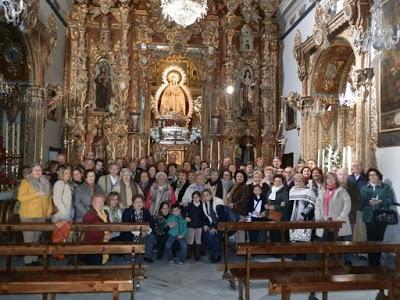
x: 180, y: 227
x: 383, y: 192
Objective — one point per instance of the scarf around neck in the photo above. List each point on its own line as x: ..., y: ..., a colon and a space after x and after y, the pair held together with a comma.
x: 274, y: 190
x: 330, y: 190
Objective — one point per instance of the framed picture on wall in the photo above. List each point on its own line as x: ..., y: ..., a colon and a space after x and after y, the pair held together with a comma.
x: 291, y: 118
x: 388, y: 84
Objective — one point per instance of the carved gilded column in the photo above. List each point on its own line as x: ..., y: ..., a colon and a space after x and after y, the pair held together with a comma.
x: 78, y: 81
x: 371, y: 128
x: 35, y: 120
x: 269, y: 77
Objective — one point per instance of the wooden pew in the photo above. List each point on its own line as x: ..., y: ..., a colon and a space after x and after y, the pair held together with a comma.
x: 76, y: 228
x: 282, y: 226
x: 49, y: 281
x: 285, y: 282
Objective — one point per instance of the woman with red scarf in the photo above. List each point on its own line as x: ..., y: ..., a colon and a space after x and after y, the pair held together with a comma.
x: 333, y: 203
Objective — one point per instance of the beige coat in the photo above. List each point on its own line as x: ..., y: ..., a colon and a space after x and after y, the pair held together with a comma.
x: 339, y: 209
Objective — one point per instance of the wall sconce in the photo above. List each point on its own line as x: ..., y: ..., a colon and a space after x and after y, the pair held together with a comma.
x: 298, y: 130
x: 134, y: 116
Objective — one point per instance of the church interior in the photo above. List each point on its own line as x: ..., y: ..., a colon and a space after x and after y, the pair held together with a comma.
x: 232, y: 100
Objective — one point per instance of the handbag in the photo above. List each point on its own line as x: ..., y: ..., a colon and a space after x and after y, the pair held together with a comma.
x: 386, y: 216
x: 274, y: 215
x: 300, y: 235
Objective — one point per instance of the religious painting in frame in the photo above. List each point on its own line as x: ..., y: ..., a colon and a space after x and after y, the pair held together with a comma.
x: 388, y: 83
x: 291, y: 118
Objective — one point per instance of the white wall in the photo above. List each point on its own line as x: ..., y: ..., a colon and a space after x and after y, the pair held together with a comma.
x: 54, y: 74
x: 389, y: 164
x: 290, y: 80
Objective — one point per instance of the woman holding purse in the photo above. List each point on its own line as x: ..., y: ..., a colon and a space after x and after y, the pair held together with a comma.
x: 277, y: 204
x: 376, y: 196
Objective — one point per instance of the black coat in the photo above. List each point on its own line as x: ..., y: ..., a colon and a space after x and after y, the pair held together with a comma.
x: 251, y: 206
x: 128, y: 217
x: 219, y: 190
x: 281, y: 202
x: 196, y: 215
x: 182, y: 191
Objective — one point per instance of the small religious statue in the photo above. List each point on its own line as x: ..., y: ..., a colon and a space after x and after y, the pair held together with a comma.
x: 99, y: 144
x: 55, y: 99
x: 173, y: 98
x: 247, y: 144
x: 246, y: 93
x: 104, y: 90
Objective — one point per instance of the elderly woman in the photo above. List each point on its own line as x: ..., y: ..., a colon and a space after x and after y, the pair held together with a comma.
x: 62, y: 196
x: 301, y: 208
x: 84, y: 193
x: 35, y: 206
x: 333, y: 203
x: 268, y: 175
x: 160, y: 191
x: 96, y: 215
x: 144, y: 182
x: 258, y: 180
x: 376, y: 196
x: 126, y: 188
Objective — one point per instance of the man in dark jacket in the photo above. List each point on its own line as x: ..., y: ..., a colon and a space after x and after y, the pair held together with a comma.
x: 358, y: 177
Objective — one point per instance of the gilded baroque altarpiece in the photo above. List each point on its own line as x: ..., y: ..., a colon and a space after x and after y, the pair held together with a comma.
x: 154, y: 87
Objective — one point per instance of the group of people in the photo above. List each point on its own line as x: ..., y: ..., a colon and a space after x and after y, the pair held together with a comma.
x: 184, y: 203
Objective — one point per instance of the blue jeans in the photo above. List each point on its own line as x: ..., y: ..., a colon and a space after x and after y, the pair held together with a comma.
x: 182, y: 248
x: 213, y: 242
x: 149, y: 243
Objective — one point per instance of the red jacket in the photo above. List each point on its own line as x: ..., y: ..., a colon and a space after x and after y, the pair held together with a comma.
x: 91, y: 217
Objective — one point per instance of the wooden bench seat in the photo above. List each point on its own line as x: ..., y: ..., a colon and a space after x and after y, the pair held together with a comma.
x: 328, y: 264
x: 326, y: 283
x: 282, y: 226
x: 66, y: 281
x: 48, y: 281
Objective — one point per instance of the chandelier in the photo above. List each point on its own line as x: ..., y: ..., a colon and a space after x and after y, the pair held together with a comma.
x: 348, y: 98
x: 184, y: 12
x: 14, y: 12
x: 377, y: 36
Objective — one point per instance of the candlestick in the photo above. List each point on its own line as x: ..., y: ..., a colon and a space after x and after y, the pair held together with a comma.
x: 148, y: 147
x: 211, y: 150
x: 349, y: 162
x: 201, y: 149
x: 219, y: 152
x: 133, y: 148
x: 344, y: 161
x: 113, y: 152
x: 319, y: 158
x: 18, y: 136
x: 140, y: 148
x: 329, y: 159
x: 13, y: 138
x: 6, y: 135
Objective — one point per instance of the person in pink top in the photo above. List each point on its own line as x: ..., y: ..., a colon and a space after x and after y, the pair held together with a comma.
x: 333, y: 203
